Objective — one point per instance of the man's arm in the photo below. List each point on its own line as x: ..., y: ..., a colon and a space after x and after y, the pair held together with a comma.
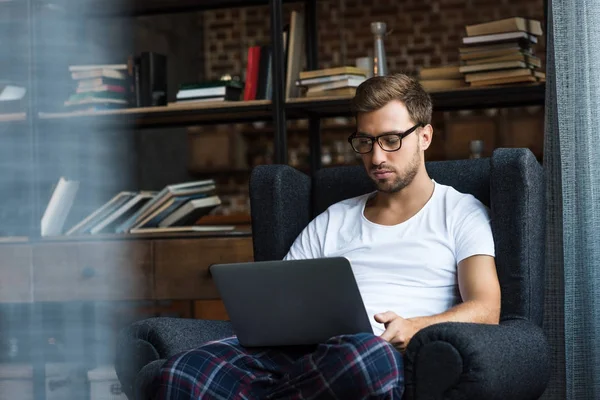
x: 479, y: 289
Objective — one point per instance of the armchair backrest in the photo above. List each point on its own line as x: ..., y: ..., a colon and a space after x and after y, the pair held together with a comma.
x: 511, y: 183
x: 330, y: 185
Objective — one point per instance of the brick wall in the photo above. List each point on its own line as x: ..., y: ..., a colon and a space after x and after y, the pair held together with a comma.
x: 421, y: 32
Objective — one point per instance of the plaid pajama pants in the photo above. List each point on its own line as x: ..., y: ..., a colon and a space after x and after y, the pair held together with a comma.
x: 361, y: 366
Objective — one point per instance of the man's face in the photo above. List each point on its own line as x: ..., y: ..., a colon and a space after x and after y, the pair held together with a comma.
x: 391, y: 171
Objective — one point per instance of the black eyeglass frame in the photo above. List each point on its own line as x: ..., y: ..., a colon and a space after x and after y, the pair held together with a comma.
x: 401, y: 136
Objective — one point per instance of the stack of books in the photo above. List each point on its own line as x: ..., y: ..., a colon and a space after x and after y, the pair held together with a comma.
x: 99, y: 87
x: 501, y: 52
x: 220, y: 90
x: 441, y: 78
x: 176, y: 208
x: 338, y: 81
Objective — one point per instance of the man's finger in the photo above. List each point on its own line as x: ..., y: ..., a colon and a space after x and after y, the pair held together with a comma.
x: 385, y: 317
x: 389, y: 334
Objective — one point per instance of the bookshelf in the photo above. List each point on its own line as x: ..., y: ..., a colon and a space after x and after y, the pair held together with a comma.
x: 183, y: 114
x: 298, y: 108
x: 278, y: 110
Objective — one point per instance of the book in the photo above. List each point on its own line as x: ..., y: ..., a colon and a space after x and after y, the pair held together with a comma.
x: 59, y: 207
x: 191, y: 212
x: 74, y: 68
x: 252, y: 67
x: 97, y: 82
x: 442, y: 72
x: 211, y: 84
x: 325, y: 79
x: 516, y: 46
x: 95, y: 100
x: 98, y: 73
x: 182, y: 229
x: 511, y: 73
x: 348, y: 83
x: 346, y: 91
x: 531, y: 60
x: 442, y: 84
x: 168, y: 208
x: 327, y: 72
x: 100, y: 213
x: 486, y: 54
x: 230, y: 93
x: 197, y: 100
x: 513, y: 24
x: 264, y: 88
x: 500, y: 37
x: 110, y: 223
x: 295, y: 54
x: 211, y: 89
x: 493, y: 66
x: 101, y: 88
x: 503, y: 81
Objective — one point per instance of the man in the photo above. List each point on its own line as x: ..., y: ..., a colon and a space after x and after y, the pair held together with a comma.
x: 422, y: 253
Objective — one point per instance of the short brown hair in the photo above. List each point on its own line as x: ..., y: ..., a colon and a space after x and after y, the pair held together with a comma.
x: 376, y: 92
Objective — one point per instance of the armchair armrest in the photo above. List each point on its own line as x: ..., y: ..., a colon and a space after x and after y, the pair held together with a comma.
x: 152, y: 339
x: 477, y: 361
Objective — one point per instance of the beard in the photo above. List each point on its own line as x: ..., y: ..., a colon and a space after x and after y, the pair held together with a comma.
x: 401, y: 180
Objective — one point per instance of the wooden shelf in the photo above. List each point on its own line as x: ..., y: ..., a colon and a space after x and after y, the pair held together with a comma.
x: 15, y: 117
x: 173, y: 115
x: 111, y: 8
x: 233, y: 219
x: 219, y: 171
x: 299, y: 108
x: 250, y: 131
x: 447, y: 100
x: 241, y: 231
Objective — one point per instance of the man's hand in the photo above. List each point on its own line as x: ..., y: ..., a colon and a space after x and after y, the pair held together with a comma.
x: 398, y: 330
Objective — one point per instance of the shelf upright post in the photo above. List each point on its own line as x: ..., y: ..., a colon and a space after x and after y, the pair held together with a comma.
x: 312, y: 63
x: 278, y: 102
x: 34, y: 319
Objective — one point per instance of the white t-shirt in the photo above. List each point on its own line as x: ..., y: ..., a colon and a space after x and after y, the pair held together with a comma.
x: 409, y: 268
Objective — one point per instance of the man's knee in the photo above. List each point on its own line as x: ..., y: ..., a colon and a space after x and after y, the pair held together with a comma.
x: 375, y: 355
x: 363, y: 365
x: 206, y: 357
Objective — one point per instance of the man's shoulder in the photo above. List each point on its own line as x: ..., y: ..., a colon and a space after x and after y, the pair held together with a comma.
x: 350, y: 203
x: 457, y: 201
x: 337, y: 212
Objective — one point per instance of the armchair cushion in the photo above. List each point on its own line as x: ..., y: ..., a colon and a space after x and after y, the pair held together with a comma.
x: 156, y: 339
x: 477, y: 361
x: 518, y: 211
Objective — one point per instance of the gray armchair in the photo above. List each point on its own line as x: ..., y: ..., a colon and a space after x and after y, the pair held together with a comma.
x: 443, y: 361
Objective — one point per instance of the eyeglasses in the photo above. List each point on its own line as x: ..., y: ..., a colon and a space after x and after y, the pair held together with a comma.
x: 391, y: 141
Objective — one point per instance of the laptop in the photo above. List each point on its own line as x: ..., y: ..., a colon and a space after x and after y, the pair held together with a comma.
x: 291, y: 302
